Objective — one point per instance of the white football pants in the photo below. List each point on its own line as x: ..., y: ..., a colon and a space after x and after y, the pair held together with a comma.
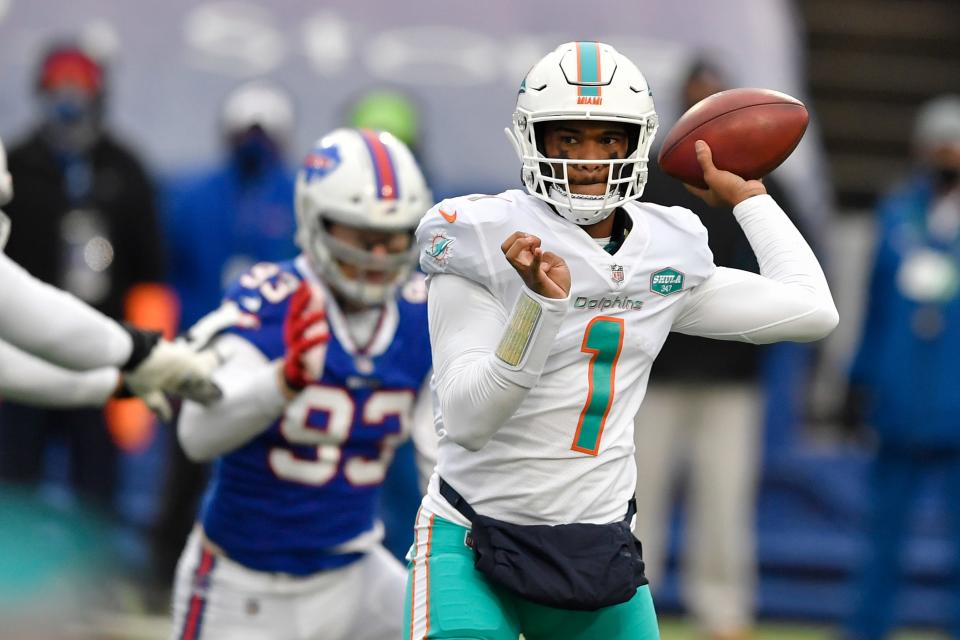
x: 218, y: 599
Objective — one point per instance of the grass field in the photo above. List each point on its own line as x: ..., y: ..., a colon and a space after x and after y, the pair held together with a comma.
x: 156, y: 628
x: 674, y: 629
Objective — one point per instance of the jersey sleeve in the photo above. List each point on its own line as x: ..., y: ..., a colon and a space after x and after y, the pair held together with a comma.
x: 247, y: 333
x: 789, y: 300
x: 259, y: 301
x: 54, y: 325
x: 475, y: 392
x: 461, y: 236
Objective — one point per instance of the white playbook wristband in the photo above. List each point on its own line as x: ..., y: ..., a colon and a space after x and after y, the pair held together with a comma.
x: 529, y: 336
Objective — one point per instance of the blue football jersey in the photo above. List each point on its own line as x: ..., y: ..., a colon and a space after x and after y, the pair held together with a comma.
x: 302, y: 496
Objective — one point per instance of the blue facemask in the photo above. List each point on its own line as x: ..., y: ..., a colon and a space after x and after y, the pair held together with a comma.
x: 254, y: 152
x: 71, y: 120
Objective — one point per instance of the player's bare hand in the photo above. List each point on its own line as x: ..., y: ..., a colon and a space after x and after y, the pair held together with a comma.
x: 543, y: 272
x: 726, y: 188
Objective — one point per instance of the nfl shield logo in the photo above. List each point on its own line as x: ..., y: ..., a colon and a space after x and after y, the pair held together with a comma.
x: 616, y: 272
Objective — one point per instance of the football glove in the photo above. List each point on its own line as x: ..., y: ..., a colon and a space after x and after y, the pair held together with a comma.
x: 158, y: 366
x: 305, y: 334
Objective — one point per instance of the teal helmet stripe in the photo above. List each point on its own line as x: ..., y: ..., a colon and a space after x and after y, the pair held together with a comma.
x: 588, y: 68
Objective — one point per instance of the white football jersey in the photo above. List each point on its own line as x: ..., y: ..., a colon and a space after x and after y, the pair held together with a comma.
x: 567, y: 453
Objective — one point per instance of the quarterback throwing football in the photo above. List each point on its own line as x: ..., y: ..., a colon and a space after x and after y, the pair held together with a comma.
x: 547, y: 308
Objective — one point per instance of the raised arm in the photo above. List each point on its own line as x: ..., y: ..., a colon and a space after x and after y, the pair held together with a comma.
x: 255, y: 390
x: 789, y: 300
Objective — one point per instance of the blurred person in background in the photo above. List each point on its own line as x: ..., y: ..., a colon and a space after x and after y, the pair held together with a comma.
x: 905, y: 378
x: 56, y: 351
x: 703, y: 416
x: 85, y: 222
x: 395, y: 112
x: 325, y: 370
x: 219, y: 222
x: 389, y: 110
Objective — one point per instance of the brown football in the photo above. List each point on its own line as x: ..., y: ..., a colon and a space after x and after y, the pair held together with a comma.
x: 750, y: 131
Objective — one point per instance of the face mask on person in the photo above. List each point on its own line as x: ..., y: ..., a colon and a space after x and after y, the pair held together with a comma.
x: 71, y: 119
x: 253, y: 152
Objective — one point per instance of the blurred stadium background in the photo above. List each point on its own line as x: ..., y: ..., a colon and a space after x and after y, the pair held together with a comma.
x: 862, y: 66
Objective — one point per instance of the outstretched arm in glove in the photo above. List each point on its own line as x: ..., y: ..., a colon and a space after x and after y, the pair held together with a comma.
x: 54, y: 326
x: 256, y: 390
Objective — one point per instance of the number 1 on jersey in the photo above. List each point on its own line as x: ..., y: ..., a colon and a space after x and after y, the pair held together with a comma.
x: 604, y: 340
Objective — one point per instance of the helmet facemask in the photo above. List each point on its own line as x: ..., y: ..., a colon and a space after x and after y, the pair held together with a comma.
x: 548, y: 178
x: 328, y: 254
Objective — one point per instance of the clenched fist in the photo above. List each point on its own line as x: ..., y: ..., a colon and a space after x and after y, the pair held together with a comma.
x: 543, y: 272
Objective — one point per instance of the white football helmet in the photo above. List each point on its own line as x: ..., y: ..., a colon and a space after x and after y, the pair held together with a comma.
x: 584, y: 81
x: 262, y: 104
x: 364, y: 179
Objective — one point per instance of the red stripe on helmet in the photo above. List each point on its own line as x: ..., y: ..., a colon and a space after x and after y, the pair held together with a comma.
x: 387, y: 188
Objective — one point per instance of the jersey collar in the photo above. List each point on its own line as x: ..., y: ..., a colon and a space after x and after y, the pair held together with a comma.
x: 340, y: 322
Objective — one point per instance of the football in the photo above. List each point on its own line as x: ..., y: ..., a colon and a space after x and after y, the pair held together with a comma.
x: 750, y: 131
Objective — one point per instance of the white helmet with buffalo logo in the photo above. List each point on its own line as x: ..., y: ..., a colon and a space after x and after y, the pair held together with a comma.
x: 584, y: 81
x: 364, y: 179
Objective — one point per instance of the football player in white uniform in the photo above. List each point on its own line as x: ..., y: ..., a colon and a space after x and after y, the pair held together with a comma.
x: 57, y: 351
x: 326, y: 365
x: 547, y: 308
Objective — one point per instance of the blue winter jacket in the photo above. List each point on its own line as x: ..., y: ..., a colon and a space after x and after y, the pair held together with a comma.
x: 912, y: 380
x: 218, y: 225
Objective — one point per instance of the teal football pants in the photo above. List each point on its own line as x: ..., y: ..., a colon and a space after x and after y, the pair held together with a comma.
x: 447, y: 598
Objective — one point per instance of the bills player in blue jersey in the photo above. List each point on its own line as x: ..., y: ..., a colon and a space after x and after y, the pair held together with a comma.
x: 325, y: 366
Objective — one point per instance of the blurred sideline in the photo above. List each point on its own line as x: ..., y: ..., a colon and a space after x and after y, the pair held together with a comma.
x: 156, y: 628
